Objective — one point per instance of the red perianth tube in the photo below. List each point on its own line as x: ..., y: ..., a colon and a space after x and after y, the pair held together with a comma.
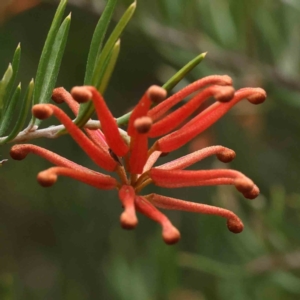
x: 170, y: 234
x: 138, y: 153
x: 128, y: 217
x: 108, y: 124
x: 98, y: 155
x: 224, y: 154
x: 205, y: 119
x: 139, y: 145
x: 234, y: 223
x: 49, y: 177
x: 181, y: 178
x: 151, y: 160
x: 60, y: 95
x: 154, y: 94
x: 19, y: 152
x: 174, y: 119
x: 159, y: 110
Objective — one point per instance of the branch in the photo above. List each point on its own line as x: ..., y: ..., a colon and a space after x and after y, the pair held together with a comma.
x: 53, y: 132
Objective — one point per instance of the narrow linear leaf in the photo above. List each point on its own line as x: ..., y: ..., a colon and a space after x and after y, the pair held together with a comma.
x: 97, y: 40
x: 86, y: 109
x: 115, y: 35
x: 183, y: 72
x: 23, y: 113
x: 47, y: 51
x: 110, y: 67
x: 8, y: 117
x: 3, y: 85
x: 54, y: 61
x: 171, y: 82
x: 15, y: 67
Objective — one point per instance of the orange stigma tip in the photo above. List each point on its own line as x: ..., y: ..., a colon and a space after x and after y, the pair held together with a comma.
x: 259, y: 96
x: 58, y: 95
x: 81, y: 94
x: 42, y: 111
x: 225, y: 94
x: 244, y: 185
x: 171, y: 235
x: 128, y: 221
x: 18, y: 152
x: 46, y: 178
x: 253, y: 193
x: 156, y: 93
x: 226, y: 80
x: 235, y: 225
x: 143, y: 124
x: 226, y: 156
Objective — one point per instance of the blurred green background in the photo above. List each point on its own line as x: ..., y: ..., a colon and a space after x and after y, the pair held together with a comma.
x: 65, y: 242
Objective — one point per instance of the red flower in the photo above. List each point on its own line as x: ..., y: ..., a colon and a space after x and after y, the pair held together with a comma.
x: 108, y: 149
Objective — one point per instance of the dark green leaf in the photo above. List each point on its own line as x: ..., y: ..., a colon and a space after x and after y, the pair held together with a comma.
x: 3, y: 86
x: 15, y: 67
x: 171, y: 82
x: 86, y: 110
x: 53, y: 64
x: 23, y: 113
x: 46, y: 53
x: 183, y: 72
x: 97, y: 40
x: 113, y: 57
x: 8, y: 117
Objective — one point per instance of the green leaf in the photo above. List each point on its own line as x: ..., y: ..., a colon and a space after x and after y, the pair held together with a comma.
x: 113, y: 57
x: 97, y: 40
x: 183, y: 72
x: 53, y: 65
x: 3, y: 86
x: 171, y: 82
x: 15, y: 67
x: 7, y: 118
x: 23, y: 113
x: 7, y: 82
x: 87, y: 109
x: 46, y: 53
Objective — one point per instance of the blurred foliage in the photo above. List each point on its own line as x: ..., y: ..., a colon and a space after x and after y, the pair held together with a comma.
x: 66, y: 242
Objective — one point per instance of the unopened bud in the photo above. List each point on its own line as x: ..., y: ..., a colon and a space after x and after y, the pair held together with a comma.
x: 226, y: 156
x: 143, y: 124
x: 156, y: 93
x: 42, y: 111
x: 259, y: 96
x: 243, y: 185
x: 171, y: 235
x: 81, y: 94
x: 46, y: 178
x: 253, y: 193
x: 224, y: 94
x: 235, y: 225
x: 58, y: 95
x: 18, y: 152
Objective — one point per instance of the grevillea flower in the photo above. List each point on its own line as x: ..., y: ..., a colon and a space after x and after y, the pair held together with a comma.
x: 134, y: 161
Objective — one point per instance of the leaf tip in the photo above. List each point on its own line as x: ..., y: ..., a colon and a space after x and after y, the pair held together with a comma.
x: 133, y: 4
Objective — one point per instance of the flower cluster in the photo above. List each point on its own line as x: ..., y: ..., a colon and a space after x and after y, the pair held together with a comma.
x: 133, y: 161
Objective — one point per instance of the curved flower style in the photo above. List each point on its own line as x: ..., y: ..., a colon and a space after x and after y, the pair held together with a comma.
x: 108, y: 149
